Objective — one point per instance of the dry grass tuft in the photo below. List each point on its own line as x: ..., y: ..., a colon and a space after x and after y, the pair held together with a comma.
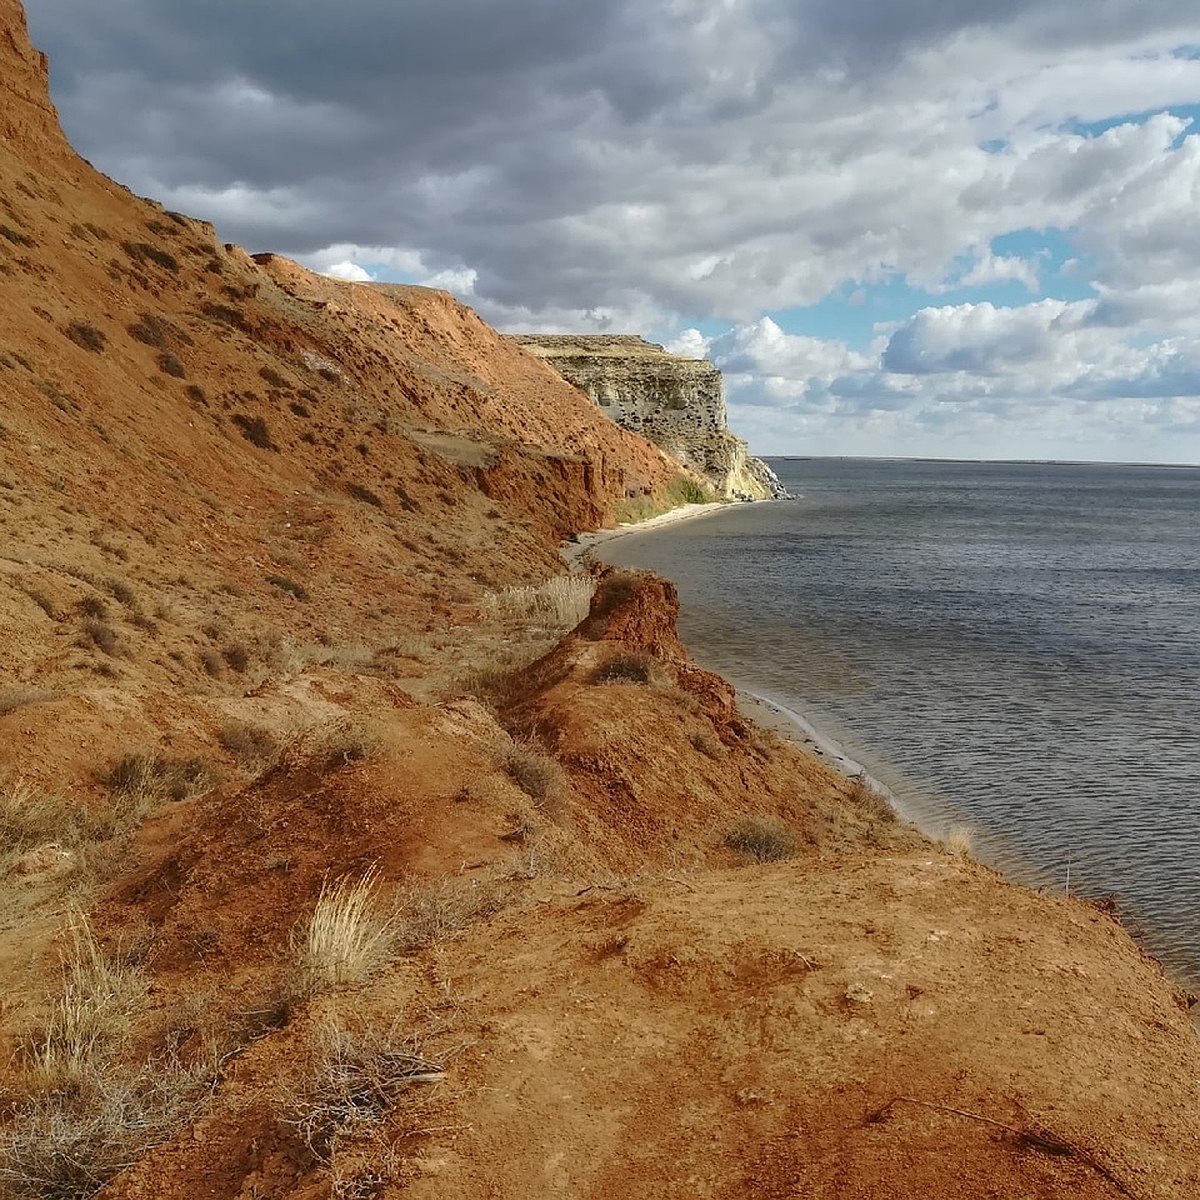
x: 346, y: 940
x: 253, y: 746
x: 432, y: 913
x: 90, y: 1019
x: 628, y: 666
x: 958, y: 841
x: 537, y: 774
x: 559, y: 603
x: 355, y: 1079
x: 145, y: 779
x: 67, y: 1146
x: 764, y: 839
x: 29, y: 818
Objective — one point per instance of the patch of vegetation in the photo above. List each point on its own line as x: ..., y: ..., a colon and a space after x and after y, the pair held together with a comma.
x: 225, y: 315
x: 273, y: 377
x: 764, y: 839
x: 683, y: 489
x: 354, y: 1081
x: 149, y: 778
x: 151, y: 330
x: 16, y: 237
x: 285, y: 584
x: 168, y: 364
x: 561, y: 602
x: 19, y: 695
x: 83, y: 1116
x: 120, y: 591
x: 253, y: 746
x: 102, y: 635
x: 236, y: 656
x: 364, y: 494
x: 87, y: 336
x: 434, y: 912
x: 347, y: 938
x: 93, y: 606
x: 212, y: 662
x: 195, y: 393
x: 627, y: 666
x: 255, y: 431
x: 142, y: 252
x: 537, y: 774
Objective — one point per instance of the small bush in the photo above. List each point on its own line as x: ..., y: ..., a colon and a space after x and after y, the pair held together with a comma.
x: 355, y: 1079
x: 102, y: 636
x: 687, y: 490
x: 225, y: 315
x: 958, y: 841
x: 273, y: 377
x: 151, y: 331
x: 614, y: 589
x: 627, y: 667
x: 237, y: 656
x: 212, y: 662
x: 168, y: 364
x: 195, y: 393
x: 255, y: 431
x: 141, y: 252
x: 284, y: 584
x: 93, y: 606
x: 87, y: 336
x: 253, y: 746
x: 148, y: 778
x: 121, y: 592
x: 764, y: 839
x: 435, y: 912
x: 538, y: 775
x: 364, y: 494
x: 347, y: 938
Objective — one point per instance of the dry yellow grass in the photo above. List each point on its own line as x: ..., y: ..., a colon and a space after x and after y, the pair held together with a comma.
x: 958, y: 840
x: 347, y: 938
x: 561, y: 602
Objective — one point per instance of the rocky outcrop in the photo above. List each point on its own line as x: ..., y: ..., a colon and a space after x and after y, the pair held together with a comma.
x: 676, y: 402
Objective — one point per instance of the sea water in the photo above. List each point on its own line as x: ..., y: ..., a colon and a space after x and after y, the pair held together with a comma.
x: 1014, y: 648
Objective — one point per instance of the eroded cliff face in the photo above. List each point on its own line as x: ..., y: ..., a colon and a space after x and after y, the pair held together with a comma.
x: 676, y: 402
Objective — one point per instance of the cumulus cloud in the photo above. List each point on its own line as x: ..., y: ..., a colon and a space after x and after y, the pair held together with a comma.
x: 348, y: 270
x: 655, y: 164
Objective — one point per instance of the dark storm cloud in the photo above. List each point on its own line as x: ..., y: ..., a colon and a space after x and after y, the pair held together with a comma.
x: 569, y: 154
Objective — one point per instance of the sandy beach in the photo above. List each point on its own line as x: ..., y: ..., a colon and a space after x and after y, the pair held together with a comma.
x: 578, y: 550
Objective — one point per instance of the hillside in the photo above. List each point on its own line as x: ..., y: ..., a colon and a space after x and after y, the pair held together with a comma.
x: 351, y: 850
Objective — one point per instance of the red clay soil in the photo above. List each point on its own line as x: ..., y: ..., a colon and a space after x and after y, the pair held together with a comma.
x: 239, y: 502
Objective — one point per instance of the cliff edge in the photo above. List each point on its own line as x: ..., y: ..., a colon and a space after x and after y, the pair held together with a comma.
x: 676, y: 402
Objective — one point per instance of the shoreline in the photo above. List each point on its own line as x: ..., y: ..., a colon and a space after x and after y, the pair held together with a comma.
x: 797, y: 727
x: 579, y: 550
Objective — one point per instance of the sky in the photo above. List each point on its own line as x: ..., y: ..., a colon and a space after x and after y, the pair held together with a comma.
x: 952, y: 228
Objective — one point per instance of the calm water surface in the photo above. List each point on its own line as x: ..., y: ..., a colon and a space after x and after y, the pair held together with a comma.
x: 1015, y: 648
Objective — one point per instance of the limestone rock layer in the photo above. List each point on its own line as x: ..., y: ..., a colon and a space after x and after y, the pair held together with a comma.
x: 676, y: 402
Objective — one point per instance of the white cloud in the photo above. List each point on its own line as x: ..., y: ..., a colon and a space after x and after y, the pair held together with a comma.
x: 348, y: 270
x: 656, y: 165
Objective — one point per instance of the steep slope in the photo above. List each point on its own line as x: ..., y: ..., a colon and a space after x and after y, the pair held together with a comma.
x: 258, y: 536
